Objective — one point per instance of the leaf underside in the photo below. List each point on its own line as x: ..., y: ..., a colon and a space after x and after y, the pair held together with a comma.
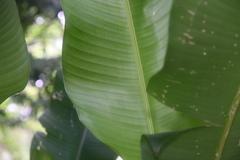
x: 111, y: 50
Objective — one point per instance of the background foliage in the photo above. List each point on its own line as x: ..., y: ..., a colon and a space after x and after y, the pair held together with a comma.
x: 43, y: 28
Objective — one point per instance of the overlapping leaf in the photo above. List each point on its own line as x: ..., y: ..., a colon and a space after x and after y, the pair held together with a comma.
x: 201, y: 78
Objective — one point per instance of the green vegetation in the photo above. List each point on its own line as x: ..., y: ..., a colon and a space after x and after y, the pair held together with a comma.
x: 149, y: 79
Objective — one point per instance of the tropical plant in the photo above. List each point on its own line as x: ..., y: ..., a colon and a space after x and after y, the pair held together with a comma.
x: 14, y: 62
x: 156, y: 79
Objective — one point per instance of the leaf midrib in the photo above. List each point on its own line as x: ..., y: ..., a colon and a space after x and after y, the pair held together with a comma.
x: 142, y: 83
x: 228, y: 125
x: 232, y: 112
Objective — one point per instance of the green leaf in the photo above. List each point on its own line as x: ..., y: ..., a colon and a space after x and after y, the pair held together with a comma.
x: 153, y: 145
x: 66, y: 138
x: 111, y: 50
x: 201, y: 77
x: 14, y: 61
x: 194, y: 144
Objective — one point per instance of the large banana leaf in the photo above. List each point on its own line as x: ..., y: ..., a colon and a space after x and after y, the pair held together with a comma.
x: 201, y: 78
x: 14, y: 62
x: 111, y: 50
x: 66, y: 138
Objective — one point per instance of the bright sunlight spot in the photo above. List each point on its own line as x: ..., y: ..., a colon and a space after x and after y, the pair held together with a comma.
x: 61, y: 18
x: 119, y: 158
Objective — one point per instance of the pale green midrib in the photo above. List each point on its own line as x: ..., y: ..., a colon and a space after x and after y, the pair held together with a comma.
x: 140, y: 70
x: 227, y: 127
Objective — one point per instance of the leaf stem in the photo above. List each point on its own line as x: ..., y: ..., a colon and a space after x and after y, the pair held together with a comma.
x: 229, y: 123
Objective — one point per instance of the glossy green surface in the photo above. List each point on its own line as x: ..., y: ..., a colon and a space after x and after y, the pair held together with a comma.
x: 14, y: 62
x: 201, y: 78
x: 111, y: 50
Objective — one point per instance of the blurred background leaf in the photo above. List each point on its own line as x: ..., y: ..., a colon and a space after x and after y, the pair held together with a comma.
x: 66, y: 137
x: 43, y: 27
x: 14, y: 61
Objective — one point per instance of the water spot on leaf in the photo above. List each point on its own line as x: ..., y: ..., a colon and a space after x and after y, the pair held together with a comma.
x: 192, y: 72
x: 181, y: 69
x: 191, y: 12
x: 187, y: 35
x: 205, y: 3
x: 235, y: 53
x: 165, y: 91
x: 163, y: 96
x: 213, y: 84
x: 191, y: 43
